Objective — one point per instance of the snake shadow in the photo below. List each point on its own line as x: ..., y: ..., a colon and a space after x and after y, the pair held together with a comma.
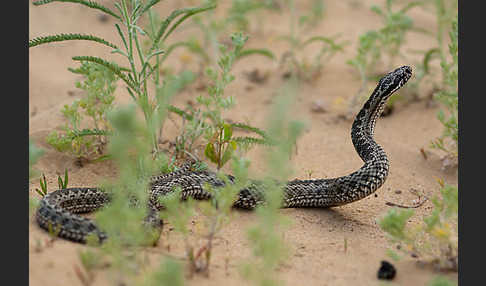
x: 328, y: 219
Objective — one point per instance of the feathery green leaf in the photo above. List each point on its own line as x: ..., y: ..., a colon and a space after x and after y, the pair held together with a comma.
x: 90, y: 4
x: 249, y: 128
x: 68, y: 37
x: 112, y: 66
x: 249, y: 141
x: 187, y: 11
x: 248, y: 52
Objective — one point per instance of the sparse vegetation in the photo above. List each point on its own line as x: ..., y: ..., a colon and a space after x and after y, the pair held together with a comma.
x: 34, y: 154
x: 208, y: 121
x: 62, y: 184
x: 132, y: 136
x: 268, y: 247
x: 379, y: 49
x: 87, y: 143
x: 305, y: 68
x: 136, y: 77
x: 441, y: 281
x: 448, y: 96
x: 435, y: 239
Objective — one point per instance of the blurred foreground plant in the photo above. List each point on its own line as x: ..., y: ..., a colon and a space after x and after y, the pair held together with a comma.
x: 449, y: 96
x: 208, y: 121
x: 143, y: 64
x: 304, y: 68
x: 435, y: 239
x: 85, y: 143
x: 266, y: 236
x: 379, y: 49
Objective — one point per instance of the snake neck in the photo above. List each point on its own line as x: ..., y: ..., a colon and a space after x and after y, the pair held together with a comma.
x: 363, y: 128
x: 357, y: 185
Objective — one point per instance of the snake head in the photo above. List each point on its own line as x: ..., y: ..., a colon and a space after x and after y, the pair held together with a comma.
x: 395, y: 80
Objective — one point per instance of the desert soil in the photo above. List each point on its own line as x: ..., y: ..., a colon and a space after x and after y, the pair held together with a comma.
x: 316, y: 236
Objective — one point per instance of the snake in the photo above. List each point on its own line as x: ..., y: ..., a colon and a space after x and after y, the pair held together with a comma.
x: 62, y: 208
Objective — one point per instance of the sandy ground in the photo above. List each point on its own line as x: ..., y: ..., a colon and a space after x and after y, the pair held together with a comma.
x: 316, y: 237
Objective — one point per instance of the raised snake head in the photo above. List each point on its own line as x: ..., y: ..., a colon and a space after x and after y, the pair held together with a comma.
x: 394, y: 80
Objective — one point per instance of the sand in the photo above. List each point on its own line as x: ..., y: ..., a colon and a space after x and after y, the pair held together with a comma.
x: 316, y: 236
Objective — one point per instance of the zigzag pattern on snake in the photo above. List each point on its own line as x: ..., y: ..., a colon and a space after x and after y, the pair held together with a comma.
x: 61, y: 207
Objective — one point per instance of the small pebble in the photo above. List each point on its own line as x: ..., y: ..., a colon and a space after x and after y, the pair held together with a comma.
x: 103, y: 18
x: 398, y: 192
x: 318, y: 106
x: 387, y: 271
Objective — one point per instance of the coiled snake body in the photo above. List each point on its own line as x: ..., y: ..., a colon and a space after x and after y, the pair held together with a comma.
x: 61, y: 207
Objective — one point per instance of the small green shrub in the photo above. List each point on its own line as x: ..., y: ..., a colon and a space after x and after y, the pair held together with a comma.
x: 314, y: 16
x: 136, y: 76
x: 123, y: 218
x: 239, y: 11
x: 62, y: 184
x: 131, y: 142
x: 379, y: 49
x: 43, y: 184
x: 217, y: 214
x: 34, y: 154
x: 441, y: 281
x: 169, y: 273
x: 87, y: 143
x: 268, y: 247
x: 435, y: 238
x: 208, y: 121
x: 448, y: 96
x: 308, y: 69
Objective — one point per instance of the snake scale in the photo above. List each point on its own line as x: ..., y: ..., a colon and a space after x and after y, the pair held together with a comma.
x: 62, y: 207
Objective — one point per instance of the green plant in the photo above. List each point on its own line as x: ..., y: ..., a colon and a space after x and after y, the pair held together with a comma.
x: 307, y: 69
x: 434, y: 239
x: 315, y: 15
x: 210, y: 27
x: 90, y: 260
x: 208, y: 121
x: 43, y: 184
x: 135, y: 76
x: 34, y: 154
x: 62, y: 184
x: 218, y: 211
x: 382, y: 46
x: 387, y: 42
x: 220, y: 148
x: 169, y: 273
x: 99, y: 86
x: 193, y: 45
x: 240, y: 10
x: 123, y: 218
x: 445, y: 11
x: 441, y: 281
x: 131, y: 141
x: 449, y: 97
x: 268, y: 247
